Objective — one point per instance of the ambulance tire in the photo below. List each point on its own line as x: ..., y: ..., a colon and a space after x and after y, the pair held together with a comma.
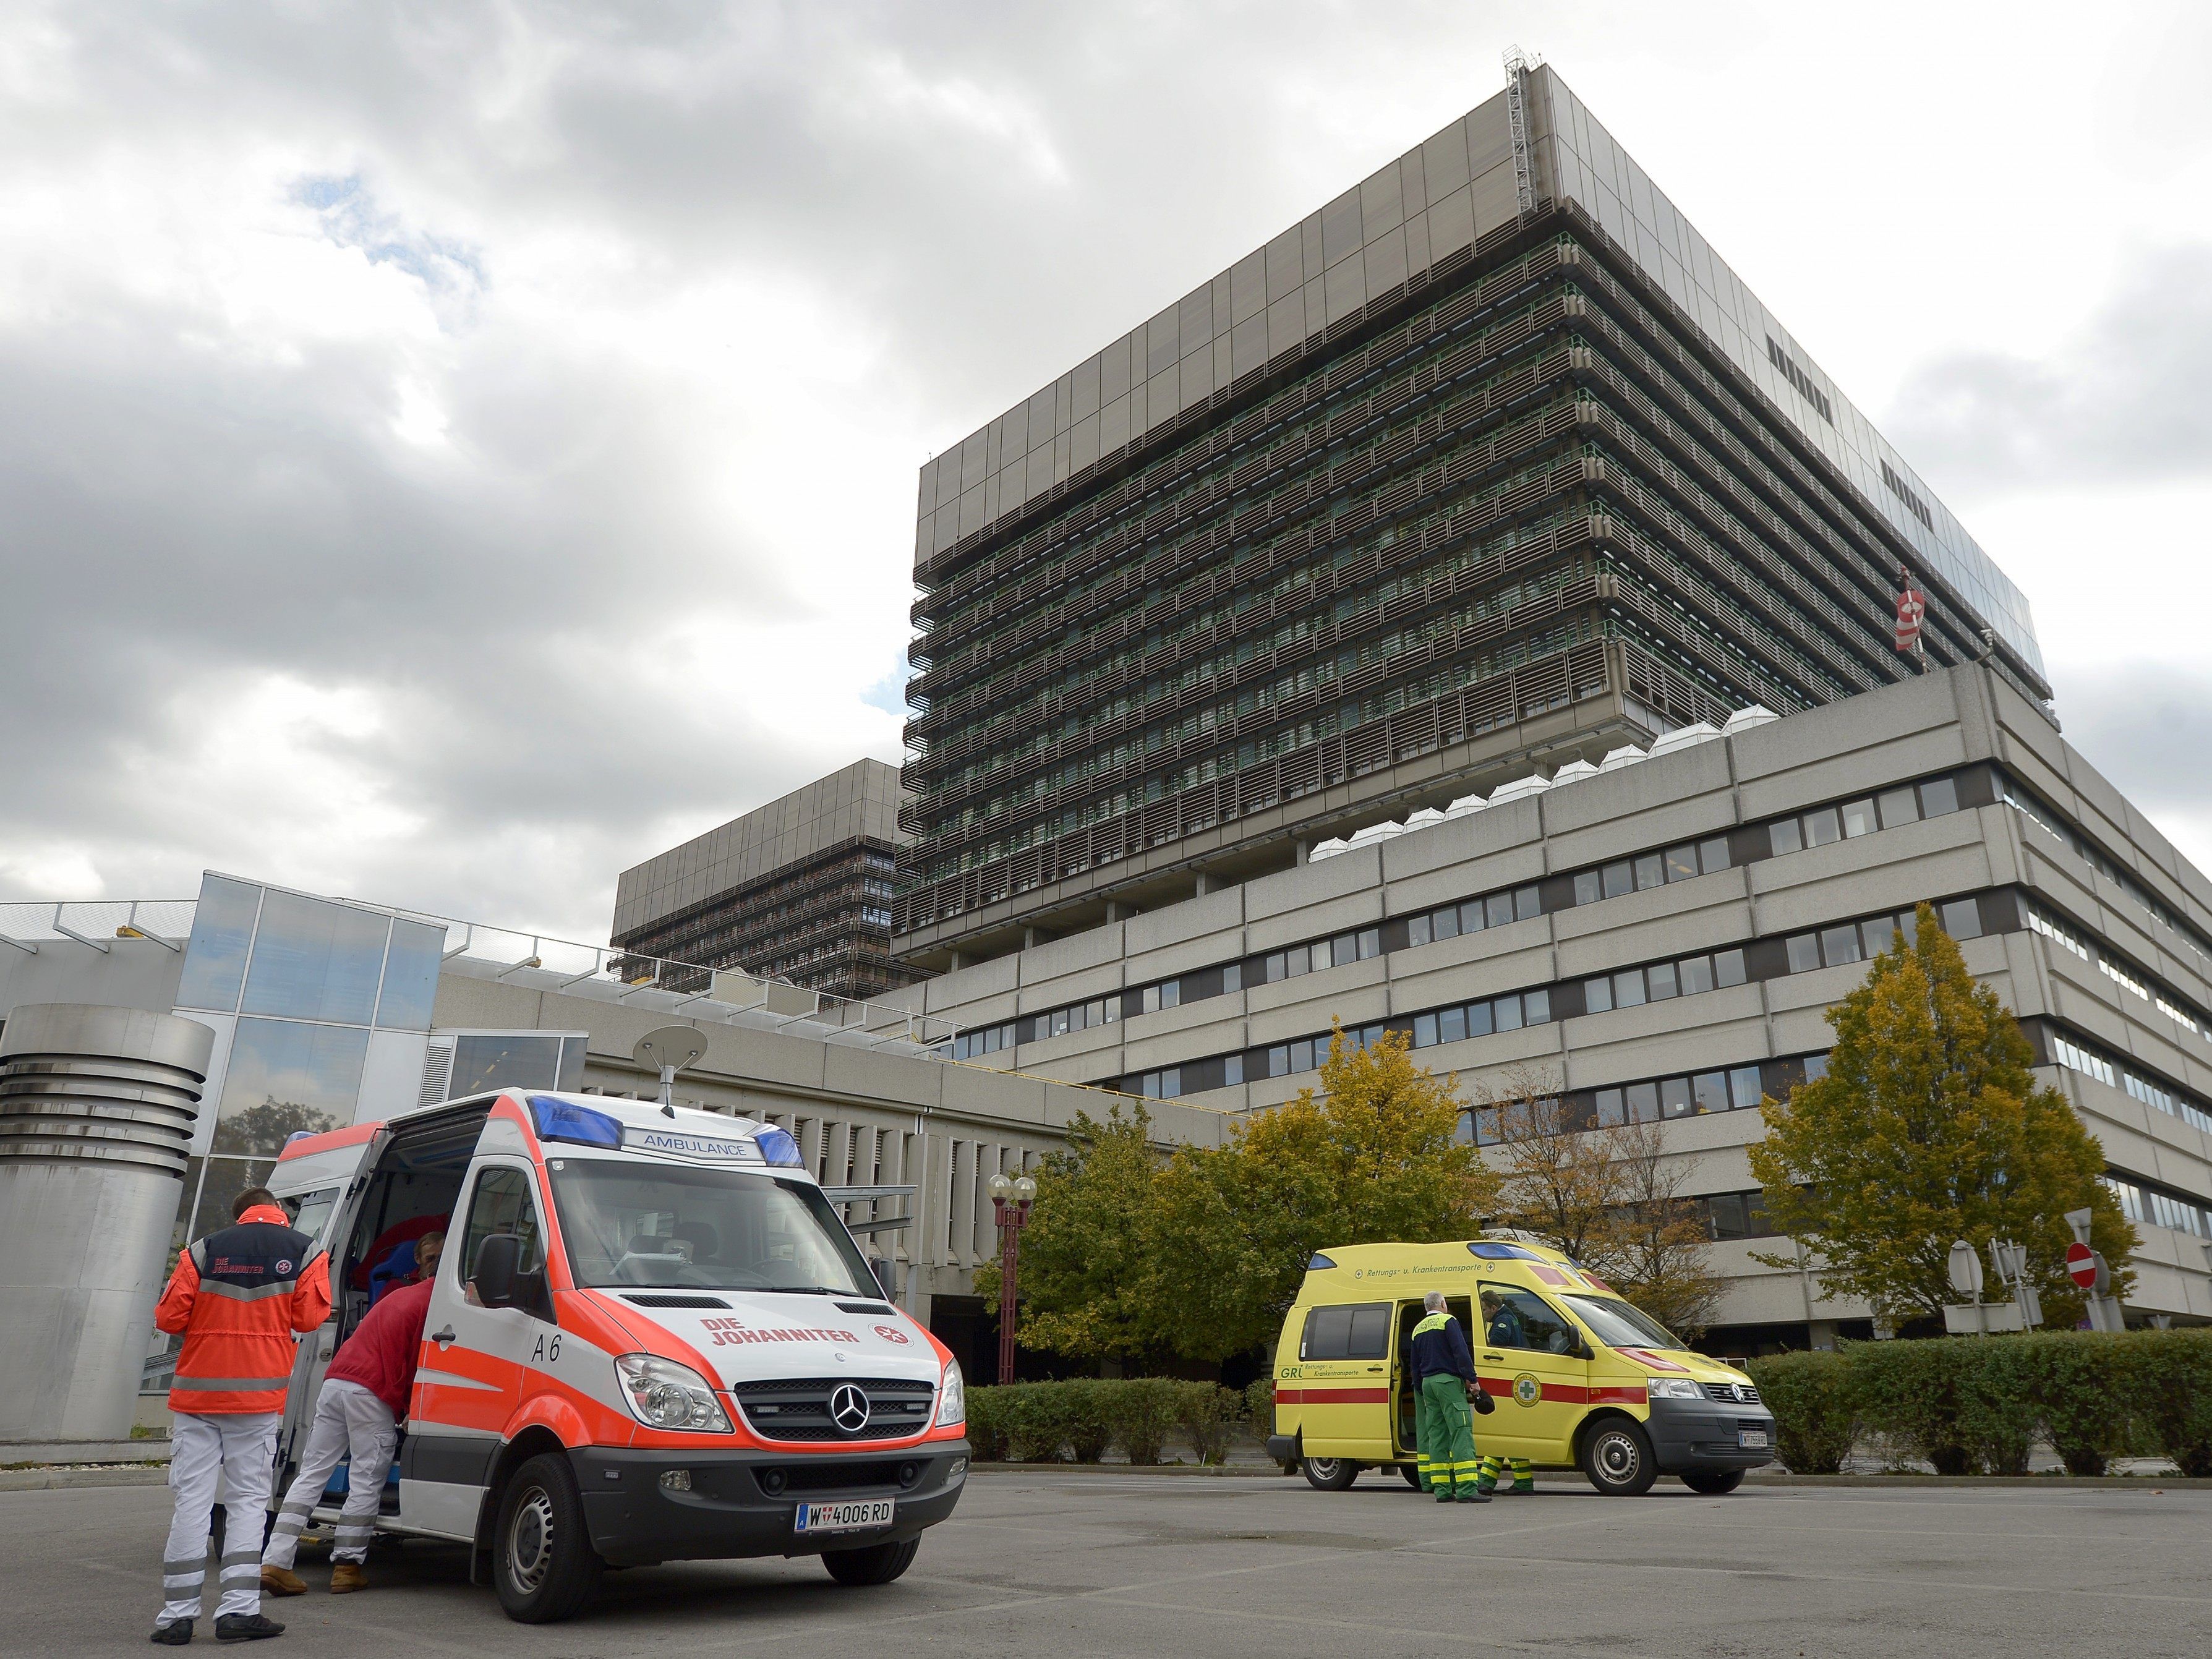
x: 1413, y: 1473
x: 871, y: 1564
x: 1712, y: 1482
x: 1617, y: 1457
x: 543, y: 1564
x: 1330, y: 1474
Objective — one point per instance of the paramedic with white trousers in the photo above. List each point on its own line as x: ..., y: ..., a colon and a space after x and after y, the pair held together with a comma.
x: 356, y: 1415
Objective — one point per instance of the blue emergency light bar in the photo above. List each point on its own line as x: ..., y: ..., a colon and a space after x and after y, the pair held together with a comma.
x: 562, y: 1120
x: 778, y: 1148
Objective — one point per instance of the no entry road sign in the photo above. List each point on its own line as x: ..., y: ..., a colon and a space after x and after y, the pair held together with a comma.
x: 2082, y: 1263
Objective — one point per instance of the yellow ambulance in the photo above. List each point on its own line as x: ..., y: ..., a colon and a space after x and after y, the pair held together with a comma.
x: 1578, y: 1377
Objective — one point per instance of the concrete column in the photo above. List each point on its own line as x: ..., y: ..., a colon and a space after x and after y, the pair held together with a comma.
x: 1206, y: 883
x: 97, y: 1110
x: 961, y: 1236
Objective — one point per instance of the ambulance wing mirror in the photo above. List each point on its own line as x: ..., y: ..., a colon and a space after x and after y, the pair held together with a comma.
x: 498, y: 1259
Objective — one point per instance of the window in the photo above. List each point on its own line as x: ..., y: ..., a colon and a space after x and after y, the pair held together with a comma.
x: 1697, y: 974
x: 1619, y: 878
x: 1659, y: 980
x: 1628, y: 988
x: 1609, y: 1109
x: 1451, y: 1025
x: 1858, y: 818
x: 1898, y: 806
x: 1710, y: 1089
x: 1840, y: 945
x: 1589, y: 887
x: 1962, y: 919
x: 1782, y: 835
x: 1803, y: 384
x: 1355, y: 1333
x: 1823, y: 827
x: 1498, y: 909
x: 1729, y: 966
x: 1643, y: 1101
x: 1681, y: 863
x: 1518, y: 1319
x: 1597, y: 995
x: 1674, y: 1097
x: 1417, y: 930
x: 627, y: 1223
x: 1650, y: 872
x: 1804, y: 953
x: 1744, y: 1088
x: 1714, y: 854
x: 502, y: 1203
x: 1444, y: 924
x: 215, y: 960
x: 1938, y: 796
x: 1525, y: 903
x: 1905, y: 492
x: 316, y: 960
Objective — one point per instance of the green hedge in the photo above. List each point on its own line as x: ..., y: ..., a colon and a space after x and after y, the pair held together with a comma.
x: 1081, y: 1419
x: 1973, y: 1405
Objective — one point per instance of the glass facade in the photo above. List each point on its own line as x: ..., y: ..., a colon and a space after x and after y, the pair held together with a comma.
x: 1501, y: 467
x: 298, y: 989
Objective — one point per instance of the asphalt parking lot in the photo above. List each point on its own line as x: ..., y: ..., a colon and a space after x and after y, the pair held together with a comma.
x: 1126, y: 1564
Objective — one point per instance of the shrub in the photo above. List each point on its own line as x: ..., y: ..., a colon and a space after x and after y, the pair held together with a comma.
x: 986, y: 1424
x: 1086, y: 1408
x: 2169, y: 1386
x: 1260, y: 1406
x: 1816, y: 1420
x: 1205, y: 1411
x: 2079, y: 1383
x: 1037, y: 1421
x: 1911, y: 1391
x: 1998, y: 1414
x: 1144, y: 1413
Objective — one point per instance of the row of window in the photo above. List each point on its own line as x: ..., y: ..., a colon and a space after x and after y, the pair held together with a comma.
x: 1905, y: 492
x: 1904, y: 804
x: 1628, y: 988
x: 2067, y: 939
x: 2142, y: 1202
x: 1736, y: 1088
x: 2031, y: 808
x: 2078, y: 1056
x: 1798, y: 377
x: 1907, y: 804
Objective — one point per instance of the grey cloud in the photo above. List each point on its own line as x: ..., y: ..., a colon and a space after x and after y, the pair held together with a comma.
x: 2126, y: 398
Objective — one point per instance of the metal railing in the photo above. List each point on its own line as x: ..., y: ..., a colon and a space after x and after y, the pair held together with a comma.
x: 27, y: 924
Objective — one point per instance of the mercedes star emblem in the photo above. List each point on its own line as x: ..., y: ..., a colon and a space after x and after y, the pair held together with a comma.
x: 849, y: 1408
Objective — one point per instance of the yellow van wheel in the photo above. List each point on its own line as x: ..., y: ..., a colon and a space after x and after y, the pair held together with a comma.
x: 1617, y: 1458
x: 1330, y: 1474
x: 1413, y: 1473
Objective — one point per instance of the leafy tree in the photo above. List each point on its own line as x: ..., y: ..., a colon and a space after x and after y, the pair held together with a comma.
x: 1374, y: 1155
x: 1606, y: 1196
x: 264, y: 1128
x: 1927, y: 1128
x: 1086, y: 1280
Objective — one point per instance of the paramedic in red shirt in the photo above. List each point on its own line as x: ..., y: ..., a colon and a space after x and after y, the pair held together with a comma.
x: 364, y: 1396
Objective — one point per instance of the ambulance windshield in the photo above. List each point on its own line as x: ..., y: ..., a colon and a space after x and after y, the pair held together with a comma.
x: 1618, y: 1325
x: 628, y: 1225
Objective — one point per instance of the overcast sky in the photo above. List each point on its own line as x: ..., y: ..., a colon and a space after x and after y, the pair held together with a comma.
x: 450, y: 454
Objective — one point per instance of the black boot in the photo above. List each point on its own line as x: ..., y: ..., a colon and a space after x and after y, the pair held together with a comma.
x: 245, y: 1627
x: 176, y: 1634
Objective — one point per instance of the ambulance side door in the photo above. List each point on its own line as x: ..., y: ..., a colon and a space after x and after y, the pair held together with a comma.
x: 324, y: 1213
x: 1535, y: 1350
x: 1344, y: 1381
x: 475, y: 1362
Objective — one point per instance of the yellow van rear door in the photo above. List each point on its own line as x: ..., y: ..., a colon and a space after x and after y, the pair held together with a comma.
x: 1344, y: 1384
x: 1527, y: 1363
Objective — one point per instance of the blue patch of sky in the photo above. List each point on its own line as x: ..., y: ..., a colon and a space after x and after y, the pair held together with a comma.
x: 353, y: 218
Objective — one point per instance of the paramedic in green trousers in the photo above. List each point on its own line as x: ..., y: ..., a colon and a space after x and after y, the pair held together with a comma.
x: 1443, y: 1377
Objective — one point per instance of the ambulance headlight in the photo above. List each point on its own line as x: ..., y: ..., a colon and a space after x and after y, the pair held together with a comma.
x: 952, y: 1398
x: 663, y: 1394
x: 1673, y: 1388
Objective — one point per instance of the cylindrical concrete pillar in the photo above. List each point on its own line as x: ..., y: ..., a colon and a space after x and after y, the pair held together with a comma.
x: 97, y: 1107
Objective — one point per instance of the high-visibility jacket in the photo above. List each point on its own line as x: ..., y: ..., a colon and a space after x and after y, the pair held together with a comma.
x: 238, y: 1296
x: 1440, y: 1350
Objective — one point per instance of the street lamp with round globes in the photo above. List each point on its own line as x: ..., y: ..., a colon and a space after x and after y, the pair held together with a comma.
x: 1011, y: 1198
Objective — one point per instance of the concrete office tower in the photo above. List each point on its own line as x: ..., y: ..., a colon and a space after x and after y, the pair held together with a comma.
x: 801, y: 889
x: 1490, y: 461
x: 1661, y: 940
x: 97, y: 1110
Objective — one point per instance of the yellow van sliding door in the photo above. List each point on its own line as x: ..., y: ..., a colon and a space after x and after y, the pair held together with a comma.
x: 1344, y: 1382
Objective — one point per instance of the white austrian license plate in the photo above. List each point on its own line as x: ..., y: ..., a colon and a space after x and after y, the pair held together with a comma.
x: 845, y: 1517
x: 1751, y: 1437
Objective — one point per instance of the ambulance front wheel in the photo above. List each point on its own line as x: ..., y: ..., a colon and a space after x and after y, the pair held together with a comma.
x: 1712, y: 1482
x: 873, y: 1564
x: 1331, y: 1474
x: 1617, y: 1457
x: 543, y: 1564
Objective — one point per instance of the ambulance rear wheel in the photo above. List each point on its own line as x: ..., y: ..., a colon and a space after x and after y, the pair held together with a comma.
x: 1617, y: 1457
x: 543, y: 1564
x: 1331, y: 1474
x: 873, y: 1564
x: 1712, y: 1482
x: 1413, y: 1473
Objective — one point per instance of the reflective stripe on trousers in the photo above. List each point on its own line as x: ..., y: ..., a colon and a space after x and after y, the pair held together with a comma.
x: 349, y: 1422
x: 237, y: 1451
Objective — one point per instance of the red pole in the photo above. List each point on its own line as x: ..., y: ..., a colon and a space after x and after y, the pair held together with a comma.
x: 1010, y: 1222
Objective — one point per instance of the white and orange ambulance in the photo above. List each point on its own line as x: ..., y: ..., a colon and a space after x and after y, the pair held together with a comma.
x: 651, y: 1339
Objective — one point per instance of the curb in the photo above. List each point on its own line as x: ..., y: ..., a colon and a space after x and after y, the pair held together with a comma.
x: 53, y: 1479
x: 1186, y: 1471
x: 2018, y: 1482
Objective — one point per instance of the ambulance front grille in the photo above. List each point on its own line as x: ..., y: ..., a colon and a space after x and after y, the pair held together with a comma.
x: 798, y: 1408
x: 1732, y: 1393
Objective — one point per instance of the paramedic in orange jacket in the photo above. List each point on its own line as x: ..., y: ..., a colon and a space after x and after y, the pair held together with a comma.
x: 239, y: 1296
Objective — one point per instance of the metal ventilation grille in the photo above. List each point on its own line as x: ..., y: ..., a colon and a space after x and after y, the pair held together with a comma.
x: 676, y: 1301
x: 437, y: 1073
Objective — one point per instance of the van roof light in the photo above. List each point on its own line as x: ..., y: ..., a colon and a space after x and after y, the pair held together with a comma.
x: 1490, y: 1252
x: 1319, y: 1262
x: 778, y: 1148
x: 562, y: 1120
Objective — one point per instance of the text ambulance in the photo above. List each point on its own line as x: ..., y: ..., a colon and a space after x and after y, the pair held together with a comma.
x: 651, y: 1339
x: 1579, y: 1378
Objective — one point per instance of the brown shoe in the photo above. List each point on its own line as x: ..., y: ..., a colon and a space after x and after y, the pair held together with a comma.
x: 281, y: 1581
x: 348, y: 1575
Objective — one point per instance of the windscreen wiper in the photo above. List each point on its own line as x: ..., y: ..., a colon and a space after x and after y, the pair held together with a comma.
x: 797, y: 1290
